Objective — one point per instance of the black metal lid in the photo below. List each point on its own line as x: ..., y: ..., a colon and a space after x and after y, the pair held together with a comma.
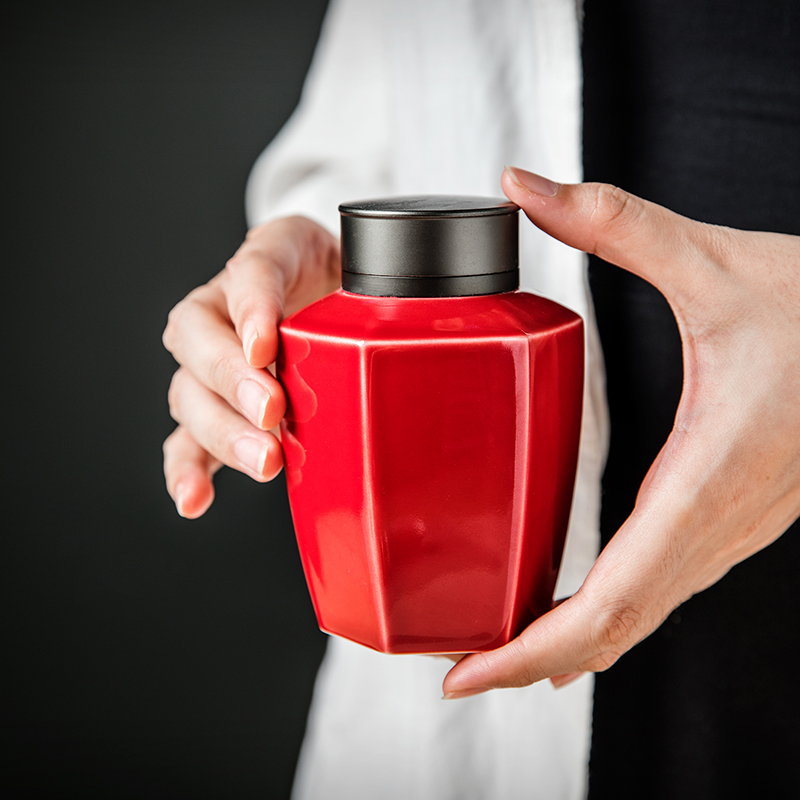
x: 430, y: 246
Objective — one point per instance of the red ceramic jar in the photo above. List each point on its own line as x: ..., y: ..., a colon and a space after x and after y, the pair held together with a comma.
x: 431, y: 441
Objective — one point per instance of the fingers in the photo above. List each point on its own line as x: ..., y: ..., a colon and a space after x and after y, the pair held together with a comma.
x: 200, y: 337
x: 626, y: 596
x: 660, y: 246
x: 215, y: 427
x: 255, y: 298
x: 224, y: 335
x: 188, y: 470
x: 559, y: 681
x: 281, y: 266
x: 562, y: 645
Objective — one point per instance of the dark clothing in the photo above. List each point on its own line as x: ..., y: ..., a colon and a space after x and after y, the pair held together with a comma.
x: 693, y: 104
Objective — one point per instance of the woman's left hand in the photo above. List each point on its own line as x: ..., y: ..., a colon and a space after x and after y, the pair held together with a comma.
x: 727, y: 482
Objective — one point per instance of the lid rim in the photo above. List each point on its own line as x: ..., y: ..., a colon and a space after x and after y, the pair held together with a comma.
x: 429, y: 207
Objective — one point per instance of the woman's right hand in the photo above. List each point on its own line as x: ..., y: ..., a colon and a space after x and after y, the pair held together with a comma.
x: 224, y: 335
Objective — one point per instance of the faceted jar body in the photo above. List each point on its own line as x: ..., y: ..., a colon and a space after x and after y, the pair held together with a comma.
x: 430, y: 448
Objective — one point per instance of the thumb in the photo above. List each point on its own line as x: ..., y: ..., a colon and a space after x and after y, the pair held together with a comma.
x: 644, y: 238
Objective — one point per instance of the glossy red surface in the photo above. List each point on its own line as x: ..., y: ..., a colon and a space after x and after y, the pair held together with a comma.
x: 430, y: 453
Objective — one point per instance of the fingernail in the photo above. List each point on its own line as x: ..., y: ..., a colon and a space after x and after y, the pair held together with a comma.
x: 249, y: 336
x: 559, y: 681
x: 466, y: 693
x: 181, y: 493
x: 252, y: 454
x: 253, y: 398
x: 533, y: 182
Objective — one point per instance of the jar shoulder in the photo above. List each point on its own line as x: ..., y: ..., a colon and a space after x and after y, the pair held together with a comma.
x: 343, y: 315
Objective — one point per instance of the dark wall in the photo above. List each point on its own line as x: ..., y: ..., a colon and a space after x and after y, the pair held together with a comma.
x: 144, y: 655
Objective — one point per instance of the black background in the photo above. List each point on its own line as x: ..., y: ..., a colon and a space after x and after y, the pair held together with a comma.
x: 144, y: 655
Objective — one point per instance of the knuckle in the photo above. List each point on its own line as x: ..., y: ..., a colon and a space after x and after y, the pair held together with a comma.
x: 718, y: 246
x: 615, y: 210
x: 173, y: 396
x: 221, y: 372
x: 169, y: 442
x: 218, y: 439
x: 234, y: 262
x: 173, y: 324
x: 273, y: 246
x: 602, y: 661
x: 255, y: 233
x: 617, y: 630
x: 177, y: 319
x: 526, y: 669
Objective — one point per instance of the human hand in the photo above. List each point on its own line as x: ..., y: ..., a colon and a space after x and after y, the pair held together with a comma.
x: 727, y: 482
x: 224, y: 335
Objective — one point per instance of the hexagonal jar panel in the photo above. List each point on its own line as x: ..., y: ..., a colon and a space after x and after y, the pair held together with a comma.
x: 430, y: 450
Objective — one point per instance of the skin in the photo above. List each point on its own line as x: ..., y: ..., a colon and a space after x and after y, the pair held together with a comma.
x: 725, y: 485
x: 224, y: 335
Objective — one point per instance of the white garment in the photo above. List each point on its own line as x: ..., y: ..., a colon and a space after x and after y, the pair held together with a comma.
x: 435, y: 96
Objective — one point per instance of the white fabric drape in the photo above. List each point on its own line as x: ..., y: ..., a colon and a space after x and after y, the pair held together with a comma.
x: 435, y: 96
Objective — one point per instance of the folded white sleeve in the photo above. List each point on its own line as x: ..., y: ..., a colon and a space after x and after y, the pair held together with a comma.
x: 336, y: 145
